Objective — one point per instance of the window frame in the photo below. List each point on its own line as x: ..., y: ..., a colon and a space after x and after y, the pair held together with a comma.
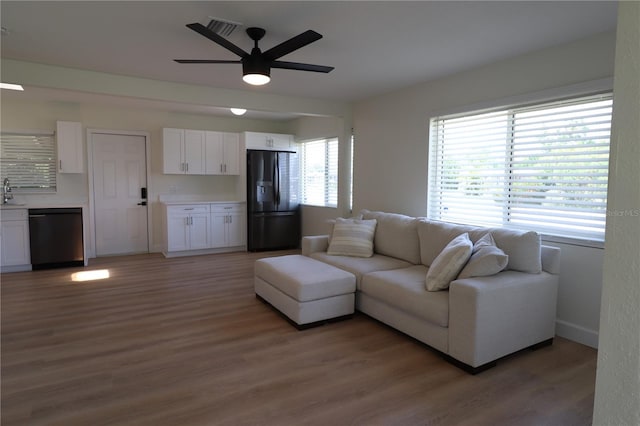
x: 330, y: 189
x: 49, y: 183
x: 537, y: 102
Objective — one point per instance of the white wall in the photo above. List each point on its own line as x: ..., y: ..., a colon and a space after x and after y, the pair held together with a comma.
x: 306, y: 128
x: 31, y: 114
x: 617, y: 398
x: 391, y: 149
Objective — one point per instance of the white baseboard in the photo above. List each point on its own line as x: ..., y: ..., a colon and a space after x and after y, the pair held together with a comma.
x: 577, y: 333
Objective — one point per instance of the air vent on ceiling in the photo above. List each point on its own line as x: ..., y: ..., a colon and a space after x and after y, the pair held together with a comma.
x: 222, y: 27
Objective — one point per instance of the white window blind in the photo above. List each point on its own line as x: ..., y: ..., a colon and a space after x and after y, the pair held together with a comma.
x: 29, y: 161
x: 542, y: 167
x: 319, y: 172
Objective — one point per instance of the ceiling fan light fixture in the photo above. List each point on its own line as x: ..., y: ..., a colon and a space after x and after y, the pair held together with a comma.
x: 238, y: 111
x: 255, y: 71
x: 256, y: 79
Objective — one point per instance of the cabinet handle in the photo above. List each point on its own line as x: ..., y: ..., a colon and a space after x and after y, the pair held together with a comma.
x: 225, y: 168
x: 187, y: 165
x: 220, y: 167
x: 188, y: 208
x: 230, y: 219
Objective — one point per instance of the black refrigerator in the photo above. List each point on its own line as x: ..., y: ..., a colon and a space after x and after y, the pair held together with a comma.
x: 273, y: 209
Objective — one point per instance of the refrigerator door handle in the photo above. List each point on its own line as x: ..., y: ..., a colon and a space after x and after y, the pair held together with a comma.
x: 277, y: 179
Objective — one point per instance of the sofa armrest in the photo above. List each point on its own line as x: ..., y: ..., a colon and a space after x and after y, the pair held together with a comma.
x: 314, y: 244
x: 490, y: 317
x: 550, y: 259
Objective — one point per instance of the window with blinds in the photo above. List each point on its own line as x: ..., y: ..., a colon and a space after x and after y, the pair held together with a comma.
x: 29, y: 161
x: 541, y: 167
x: 319, y: 172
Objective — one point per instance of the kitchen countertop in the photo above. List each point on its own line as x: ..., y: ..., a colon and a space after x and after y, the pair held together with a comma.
x: 12, y: 206
x: 180, y: 203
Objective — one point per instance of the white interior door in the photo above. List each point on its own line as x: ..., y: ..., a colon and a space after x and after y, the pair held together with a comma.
x: 119, y: 173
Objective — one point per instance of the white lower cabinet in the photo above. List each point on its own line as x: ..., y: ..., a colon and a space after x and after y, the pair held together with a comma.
x: 212, y: 226
x: 14, y: 240
x: 227, y: 225
x: 187, y: 227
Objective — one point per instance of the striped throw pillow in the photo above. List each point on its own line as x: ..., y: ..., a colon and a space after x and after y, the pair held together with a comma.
x: 352, y: 237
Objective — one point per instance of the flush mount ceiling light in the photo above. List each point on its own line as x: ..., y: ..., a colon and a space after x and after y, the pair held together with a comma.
x: 11, y: 86
x: 238, y: 111
x: 256, y: 66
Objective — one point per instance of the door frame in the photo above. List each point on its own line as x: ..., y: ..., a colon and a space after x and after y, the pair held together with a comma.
x: 91, y: 249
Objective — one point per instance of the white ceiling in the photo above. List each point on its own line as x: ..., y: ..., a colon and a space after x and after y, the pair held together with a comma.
x: 375, y: 47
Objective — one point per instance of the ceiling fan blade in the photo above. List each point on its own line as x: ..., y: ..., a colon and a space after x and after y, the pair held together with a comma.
x: 201, y: 29
x: 292, y: 44
x: 300, y: 67
x: 205, y: 61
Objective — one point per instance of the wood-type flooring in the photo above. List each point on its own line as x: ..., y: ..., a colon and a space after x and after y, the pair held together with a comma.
x: 184, y: 341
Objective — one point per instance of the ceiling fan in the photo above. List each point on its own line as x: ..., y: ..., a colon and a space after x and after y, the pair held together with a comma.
x: 256, y: 66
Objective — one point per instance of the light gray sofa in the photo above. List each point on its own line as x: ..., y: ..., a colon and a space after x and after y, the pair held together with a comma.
x: 477, y: 320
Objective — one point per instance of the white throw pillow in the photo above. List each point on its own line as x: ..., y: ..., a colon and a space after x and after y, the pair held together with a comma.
x: 352, y: 237
x: 487, y: 259
x: 447, y: 265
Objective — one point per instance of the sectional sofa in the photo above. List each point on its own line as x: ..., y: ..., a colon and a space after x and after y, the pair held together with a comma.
x: 493, y: 306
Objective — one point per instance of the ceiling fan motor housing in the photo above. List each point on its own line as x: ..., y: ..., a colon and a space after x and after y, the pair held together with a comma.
x: 255, y: 64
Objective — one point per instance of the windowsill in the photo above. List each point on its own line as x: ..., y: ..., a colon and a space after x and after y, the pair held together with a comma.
x: 318, y: 206
x: 572, y: 241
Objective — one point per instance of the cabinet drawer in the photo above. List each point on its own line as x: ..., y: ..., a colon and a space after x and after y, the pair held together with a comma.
x: 10, y: 214
x: 228, y: 208
x: 195, y: 208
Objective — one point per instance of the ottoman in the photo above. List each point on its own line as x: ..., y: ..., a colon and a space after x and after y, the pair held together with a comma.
x: 305, y: 290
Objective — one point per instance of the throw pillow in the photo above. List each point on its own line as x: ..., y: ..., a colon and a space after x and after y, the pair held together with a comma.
x: 447, y: 265
x: 352, y: 237
x: 332, y: 222
x: 486, y: 259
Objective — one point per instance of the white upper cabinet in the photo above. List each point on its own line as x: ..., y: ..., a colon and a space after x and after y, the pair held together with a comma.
x: 70, y: 147
x: 183, y: 151
x: 269, y: 141
x: 200, y: 152
x: 172, y: 147
x: 222, y: 152
x: 194, y: 151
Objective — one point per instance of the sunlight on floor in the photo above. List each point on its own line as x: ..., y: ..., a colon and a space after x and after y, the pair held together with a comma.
x: 98, y: 274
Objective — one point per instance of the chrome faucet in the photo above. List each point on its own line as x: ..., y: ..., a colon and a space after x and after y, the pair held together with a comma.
x: 6, y: 191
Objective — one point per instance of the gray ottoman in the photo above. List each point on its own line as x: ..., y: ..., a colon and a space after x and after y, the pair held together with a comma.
x: 305, y: 290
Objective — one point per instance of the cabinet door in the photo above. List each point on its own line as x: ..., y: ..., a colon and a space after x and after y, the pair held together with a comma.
x: 214, y: 153
x: 177, y: 232
x: 70, y: 147
x: 199, y: 231
x: 279, y: 141
x: 172, y: 151
x: 218, y: 229
x: 235, y: 228
x: 194, y: 153
x: 15, y: 243
x: 231, y: 148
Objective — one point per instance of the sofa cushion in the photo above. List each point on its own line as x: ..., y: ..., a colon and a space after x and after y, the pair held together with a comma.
x: 404, y: 289
x: 396, y: 235
x: 359, y: 266
x: 352, y: 237
x: 446, y: 267
x: 486, y: 259
x: 434, y: 237
x: 523, y: 248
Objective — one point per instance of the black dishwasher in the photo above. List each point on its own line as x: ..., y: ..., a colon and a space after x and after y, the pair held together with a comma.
x: 56, y: 238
